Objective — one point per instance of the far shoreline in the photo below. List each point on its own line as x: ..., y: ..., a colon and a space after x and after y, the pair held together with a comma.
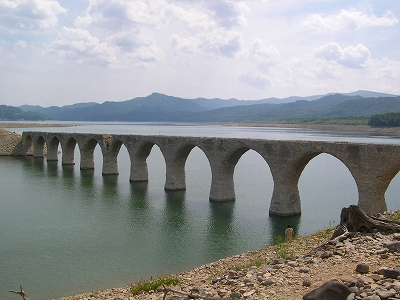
x: 392, y: 131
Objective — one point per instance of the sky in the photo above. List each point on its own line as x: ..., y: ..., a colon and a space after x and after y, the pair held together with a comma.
x: 60, y: 52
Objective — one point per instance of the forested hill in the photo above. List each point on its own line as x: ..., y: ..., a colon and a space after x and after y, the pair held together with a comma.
x: 159, y: 107
x: 11, y: 113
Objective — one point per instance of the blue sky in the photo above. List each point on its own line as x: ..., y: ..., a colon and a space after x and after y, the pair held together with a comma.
x: 68, y: 51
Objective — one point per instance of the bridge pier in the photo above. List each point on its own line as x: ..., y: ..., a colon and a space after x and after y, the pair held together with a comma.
x: 52, y: 150
x: 110, y: 165
x: 285, y: 198
x: 38, y: 148
x: 371, y: 191
x: 175, y: 178
x: 222, y: 185
x: 87, y: 162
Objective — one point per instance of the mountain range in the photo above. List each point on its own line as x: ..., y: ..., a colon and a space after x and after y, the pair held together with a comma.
x: 160, y: 107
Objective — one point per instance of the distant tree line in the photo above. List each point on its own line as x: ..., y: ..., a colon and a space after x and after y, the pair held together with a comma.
x: 391, y: 119
x: 11, y: 113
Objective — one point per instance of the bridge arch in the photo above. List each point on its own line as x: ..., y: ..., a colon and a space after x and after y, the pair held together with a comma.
x: 392, y: 190
x: 52, y: 147
x: 252, y: 170
x: 138, y: 151
x: 39, y: 143
x: 373, y: 166
x: 68, y: 150
x: 327, y: 183
x: 27, y: 144
x: 175, y: 161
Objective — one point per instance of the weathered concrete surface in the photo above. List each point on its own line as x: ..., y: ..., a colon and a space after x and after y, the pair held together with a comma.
x: 373, y: 166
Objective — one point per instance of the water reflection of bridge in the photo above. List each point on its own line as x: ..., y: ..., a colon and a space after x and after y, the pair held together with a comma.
x: 372, y: 166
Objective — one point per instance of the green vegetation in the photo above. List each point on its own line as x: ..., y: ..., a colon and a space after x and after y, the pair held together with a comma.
x: 152, y: 284
x: 396, y: 216
x: 256, y: 262
x: 282, y: 248
x: 391, y: 119
x: 11, y: 113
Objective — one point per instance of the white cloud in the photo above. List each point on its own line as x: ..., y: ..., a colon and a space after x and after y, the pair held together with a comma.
x: 16, y: 15
x: 350, y: 57
x: 20, y: 45
x: 117, y: 14
x: 80, y: 46
x: 348, y: 20
x: 264, y: 56
x: 229, y: 13
x: 256, y: 79
x: 208, y: 33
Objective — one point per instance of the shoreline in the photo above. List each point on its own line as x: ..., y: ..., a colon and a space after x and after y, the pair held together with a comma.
x: 286, y: 271
x: 392, y: 131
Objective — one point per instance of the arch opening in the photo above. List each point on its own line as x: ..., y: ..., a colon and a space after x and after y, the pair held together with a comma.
x: 156, y: 169
x: 326, y: 185
x: 392, y: 191
x: 123, y: 161
x: 198, y: 176
x: 253, y: 183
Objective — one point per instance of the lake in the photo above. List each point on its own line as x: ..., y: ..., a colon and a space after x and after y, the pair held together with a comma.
x: 65, y: 231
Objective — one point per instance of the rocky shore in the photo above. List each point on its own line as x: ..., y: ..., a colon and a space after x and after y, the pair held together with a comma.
x: 366, y: 266
x: 8, y: 142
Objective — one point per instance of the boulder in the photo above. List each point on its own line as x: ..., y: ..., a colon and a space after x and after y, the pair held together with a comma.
x: 330, y: 290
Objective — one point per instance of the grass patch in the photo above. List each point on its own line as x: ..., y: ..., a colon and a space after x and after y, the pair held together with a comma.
x: 395, y: 216
x: 256, y: 262
x: 282, y: 248
x: 152, y: 284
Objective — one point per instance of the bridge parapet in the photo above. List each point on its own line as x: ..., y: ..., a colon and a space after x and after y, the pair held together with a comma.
x: 372, y: 166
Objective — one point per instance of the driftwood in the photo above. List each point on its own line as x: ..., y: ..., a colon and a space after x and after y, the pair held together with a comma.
x: 354, y: 219
x: 21, y: 292
x: 166, y: 290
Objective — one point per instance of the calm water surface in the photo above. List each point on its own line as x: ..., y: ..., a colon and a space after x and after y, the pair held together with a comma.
x: 65, y: 231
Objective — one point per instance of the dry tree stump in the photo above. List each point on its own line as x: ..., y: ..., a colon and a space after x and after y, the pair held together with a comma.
x: 354, y: 219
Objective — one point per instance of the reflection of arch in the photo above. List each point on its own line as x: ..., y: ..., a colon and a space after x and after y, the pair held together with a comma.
x: 68, y: 149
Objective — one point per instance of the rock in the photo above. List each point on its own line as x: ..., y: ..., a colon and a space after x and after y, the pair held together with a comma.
x: 393, y: 246
x: 372, y: 297
x: 362, y: 268
x: 304, y: 270
x: 235, y: 295
x: 306, y: 282
x: 269, y: 281
x: 384, y: 294
x: 326, y: 254
x: 391, y: 273
x: 332, y: 289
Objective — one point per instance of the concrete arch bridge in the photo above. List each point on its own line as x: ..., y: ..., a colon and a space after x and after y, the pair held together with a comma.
x: 372, y: 166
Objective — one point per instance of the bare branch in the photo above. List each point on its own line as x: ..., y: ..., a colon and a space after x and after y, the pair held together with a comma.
x: 21, y: 293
